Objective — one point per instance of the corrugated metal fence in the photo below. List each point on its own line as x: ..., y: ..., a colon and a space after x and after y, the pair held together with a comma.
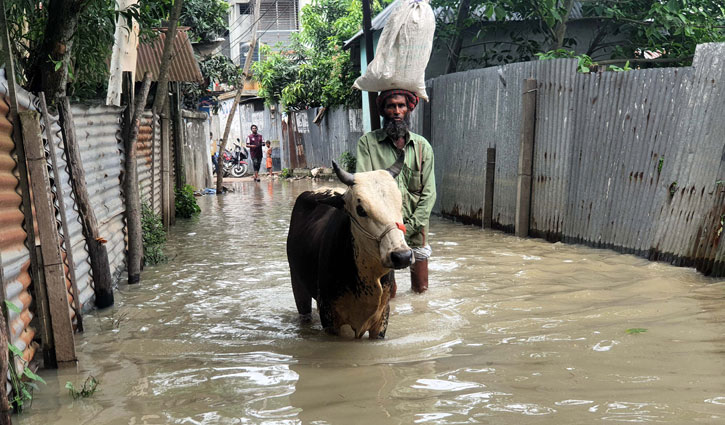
x: 149, y: 161
x: 632, y: 160
x: 98, y: 131
x: 316, y: 145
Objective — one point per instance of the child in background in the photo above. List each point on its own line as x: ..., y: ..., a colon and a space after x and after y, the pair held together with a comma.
x: 269, y: 158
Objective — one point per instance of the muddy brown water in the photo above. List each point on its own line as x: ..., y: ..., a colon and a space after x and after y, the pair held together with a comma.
x: 512, y: 331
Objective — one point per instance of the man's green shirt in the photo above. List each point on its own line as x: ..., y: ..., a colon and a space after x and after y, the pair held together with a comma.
x: 375, y: 151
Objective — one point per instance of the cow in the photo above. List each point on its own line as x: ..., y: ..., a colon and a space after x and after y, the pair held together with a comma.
x: 341, y: 247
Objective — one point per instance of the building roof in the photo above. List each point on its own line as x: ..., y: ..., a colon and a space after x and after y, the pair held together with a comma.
x: 184, y: 66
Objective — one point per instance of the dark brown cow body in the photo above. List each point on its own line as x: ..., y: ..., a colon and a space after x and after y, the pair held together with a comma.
x: 341, y: 247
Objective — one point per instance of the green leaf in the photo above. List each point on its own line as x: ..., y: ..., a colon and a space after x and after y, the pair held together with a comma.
x: 633, y: 331
x: 27, y: 372
x: 12, y: 307
x: 26, y: 394
x: 58, y: 65
x: 15, y: 350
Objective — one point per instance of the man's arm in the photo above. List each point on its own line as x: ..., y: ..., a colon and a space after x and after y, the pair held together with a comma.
x: 364, y: 162
x: 422, y: 211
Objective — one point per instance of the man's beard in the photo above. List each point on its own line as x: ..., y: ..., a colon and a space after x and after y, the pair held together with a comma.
x: 396, y: 129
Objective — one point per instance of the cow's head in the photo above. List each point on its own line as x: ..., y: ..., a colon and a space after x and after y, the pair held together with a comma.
x: 374, y: 204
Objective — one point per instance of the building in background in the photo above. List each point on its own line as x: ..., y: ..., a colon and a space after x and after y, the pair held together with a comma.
x: 278, y: 20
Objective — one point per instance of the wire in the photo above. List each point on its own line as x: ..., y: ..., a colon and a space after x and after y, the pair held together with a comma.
x: 238, y: 57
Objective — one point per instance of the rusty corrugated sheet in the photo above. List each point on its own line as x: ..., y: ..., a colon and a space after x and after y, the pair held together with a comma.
x: 183, y: 67
x: 14, y: 253
x: 144, y: 160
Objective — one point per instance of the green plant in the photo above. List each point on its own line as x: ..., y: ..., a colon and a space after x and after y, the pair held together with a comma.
x: 314, y: 70
x: 584, y: 61
x: 620, y: 69
x: 659, y: 164
x: 89, y: 387
x: 348, y: 162
x: 634, y: 331
x: 186, y: 206
x: 206, y: 19
x: 285, y: 173
x: 154, y: 236
x: 21, y: 387
x: 673, y: 188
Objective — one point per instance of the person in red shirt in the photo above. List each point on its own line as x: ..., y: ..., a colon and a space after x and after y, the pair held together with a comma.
x: 255, y: 143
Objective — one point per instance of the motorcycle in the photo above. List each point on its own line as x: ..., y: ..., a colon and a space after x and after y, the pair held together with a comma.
x: 234, y: 163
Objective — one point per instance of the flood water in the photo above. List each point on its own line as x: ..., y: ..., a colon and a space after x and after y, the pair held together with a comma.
x: 511, y: 331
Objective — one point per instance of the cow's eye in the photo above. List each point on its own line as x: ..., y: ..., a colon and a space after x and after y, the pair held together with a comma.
x: 361, y: 212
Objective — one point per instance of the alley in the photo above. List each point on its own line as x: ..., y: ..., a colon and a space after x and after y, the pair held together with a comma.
x: 511, y: 331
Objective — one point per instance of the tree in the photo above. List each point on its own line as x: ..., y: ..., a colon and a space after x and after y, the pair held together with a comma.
x: 315, y: 70
x: 621, y: 30
x: 62, y: 47
x: 207, y: 19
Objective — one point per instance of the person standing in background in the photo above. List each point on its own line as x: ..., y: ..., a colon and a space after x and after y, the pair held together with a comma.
x: 269, y: 158
x: 255, y: 143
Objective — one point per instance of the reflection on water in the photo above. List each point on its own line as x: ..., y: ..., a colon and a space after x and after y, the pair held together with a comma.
x: 512, y: 331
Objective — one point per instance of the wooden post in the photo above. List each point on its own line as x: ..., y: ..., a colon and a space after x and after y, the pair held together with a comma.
x: 526, y: 158
x: 130, y: 182
x: 101, y: 270
x: 178, y: 139
x: 67, y: 244
x: 43, y: 312
x: 49, y: 240
x: 165, y: 165
x: 488, y: 195
x: 154, y: 116
x: 369, y: 55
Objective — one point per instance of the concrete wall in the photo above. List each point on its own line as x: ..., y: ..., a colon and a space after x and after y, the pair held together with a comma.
x: 197, y: 155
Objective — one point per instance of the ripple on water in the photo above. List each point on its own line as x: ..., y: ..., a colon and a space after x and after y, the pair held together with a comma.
x: 213, y: 336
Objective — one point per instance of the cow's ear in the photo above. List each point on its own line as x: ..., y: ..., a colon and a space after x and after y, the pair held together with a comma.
x: 330, y: 197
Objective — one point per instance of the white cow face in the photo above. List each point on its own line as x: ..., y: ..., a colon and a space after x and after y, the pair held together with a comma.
x: 374, y: 204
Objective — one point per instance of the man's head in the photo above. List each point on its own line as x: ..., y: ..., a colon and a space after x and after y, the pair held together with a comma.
x: 254, y: 129
x: 395, y: 106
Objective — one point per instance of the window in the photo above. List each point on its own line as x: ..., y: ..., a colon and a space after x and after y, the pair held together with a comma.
x: 245, y: 8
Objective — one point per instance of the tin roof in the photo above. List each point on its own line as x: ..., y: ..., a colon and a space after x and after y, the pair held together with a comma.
x: 184, y: 66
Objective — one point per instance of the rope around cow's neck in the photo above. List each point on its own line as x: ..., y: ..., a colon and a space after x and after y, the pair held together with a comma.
x: 388, y: 229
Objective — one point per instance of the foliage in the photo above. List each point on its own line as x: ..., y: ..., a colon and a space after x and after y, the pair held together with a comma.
x: 93, y: 39
x: 506, y: 31
x: 584, y: 62
x: 207, y: 19
x: 616, y: 68
x: 348, y: 161
x: 285, y: 173
x: 90, y: 385
x: 634, y: 331
x: 92, y: 42
x: 216, y: 69
x: 22, y: 389
x: 154, y: 236
x: 186, y: 206
x: 314, y: 70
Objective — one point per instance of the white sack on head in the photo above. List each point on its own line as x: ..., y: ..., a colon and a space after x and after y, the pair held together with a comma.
x: 403, y: 50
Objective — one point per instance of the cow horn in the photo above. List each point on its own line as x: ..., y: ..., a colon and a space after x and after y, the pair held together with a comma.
x: 394, y: 169
x: 344, y: 176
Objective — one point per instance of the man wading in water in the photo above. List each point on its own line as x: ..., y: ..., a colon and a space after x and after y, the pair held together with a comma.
x: 378, y: 149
